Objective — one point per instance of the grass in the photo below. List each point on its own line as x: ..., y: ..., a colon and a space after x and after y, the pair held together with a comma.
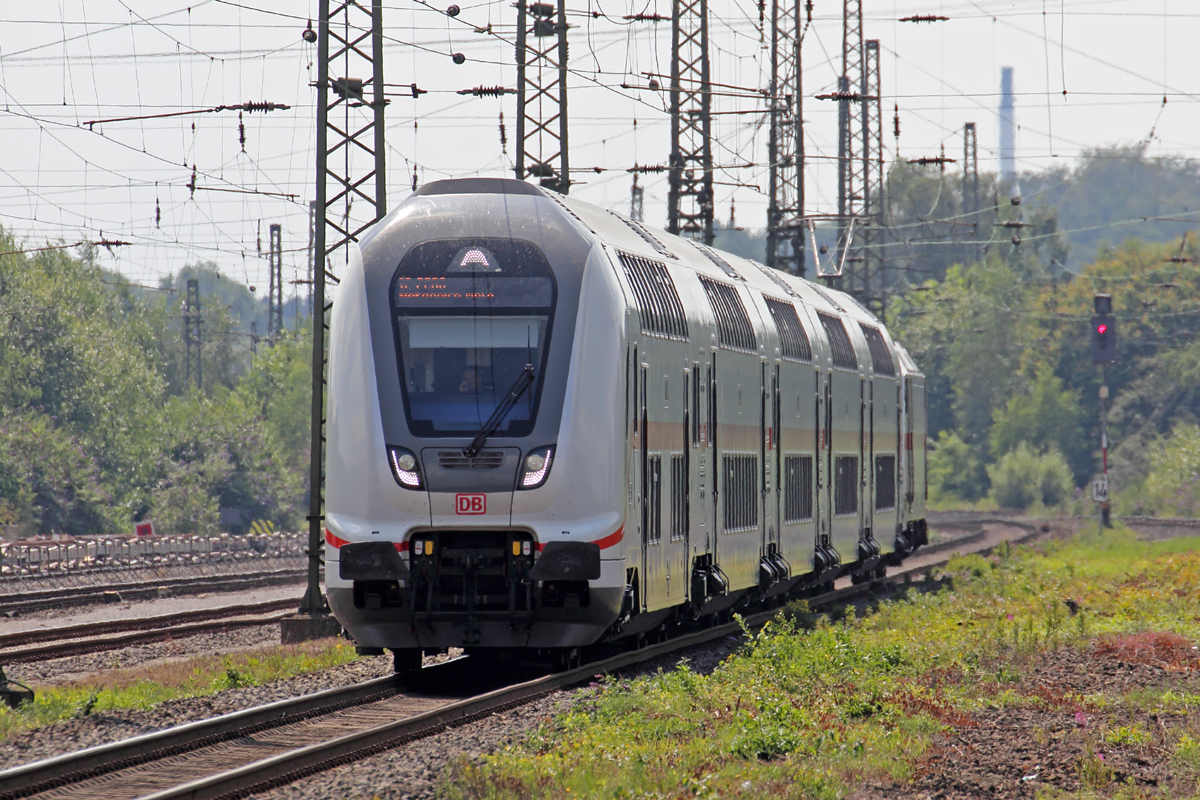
x: 142, y: 688
x: 811, y: 707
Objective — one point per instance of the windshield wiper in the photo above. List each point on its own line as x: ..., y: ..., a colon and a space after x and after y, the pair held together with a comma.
x: 518, y: 388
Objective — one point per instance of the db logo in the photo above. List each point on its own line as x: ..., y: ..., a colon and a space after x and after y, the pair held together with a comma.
x: 470, y: 503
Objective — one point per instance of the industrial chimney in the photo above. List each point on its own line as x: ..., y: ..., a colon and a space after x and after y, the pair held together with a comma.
x: 1008, y: 127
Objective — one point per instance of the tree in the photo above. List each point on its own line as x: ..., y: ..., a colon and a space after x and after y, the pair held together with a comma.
x: 50, y: 484
x: 1045, y: 417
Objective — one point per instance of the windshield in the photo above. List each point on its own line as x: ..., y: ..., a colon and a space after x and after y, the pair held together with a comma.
x: 469, y: 316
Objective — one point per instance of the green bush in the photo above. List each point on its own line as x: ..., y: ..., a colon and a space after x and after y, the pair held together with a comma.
x: 1172, y: 486
x: 954, y: 470
x: 1022, y: 478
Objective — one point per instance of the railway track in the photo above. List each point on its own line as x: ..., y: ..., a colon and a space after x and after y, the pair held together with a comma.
x: 60, y: 642
x: 259, y: 748
x: 140, y: 590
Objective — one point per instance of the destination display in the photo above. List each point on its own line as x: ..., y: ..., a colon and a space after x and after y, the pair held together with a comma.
x: 480, y: 290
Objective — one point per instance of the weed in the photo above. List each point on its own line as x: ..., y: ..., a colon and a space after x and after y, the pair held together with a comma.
x: 145, y: 687
x: 1094, y: 773
x: 798, y: 614
x: 1128, y: 736
x: 88, y: 705
x: 1187, y: 754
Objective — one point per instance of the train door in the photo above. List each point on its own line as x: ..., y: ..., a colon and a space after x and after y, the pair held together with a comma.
x: 825, y: 459
x: 766, y: 529
x: 776, y: 442
x: 677, y: 488
x: 637, y: 451
x: 867, y: 426
x: 653, y: 567
x: 906, y: 454
x: 715, y: 471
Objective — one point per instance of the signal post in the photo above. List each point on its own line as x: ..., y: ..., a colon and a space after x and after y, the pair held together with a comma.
x: 1104, y: 352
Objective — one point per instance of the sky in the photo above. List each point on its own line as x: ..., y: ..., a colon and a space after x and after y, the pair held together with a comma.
x: 1087, y: 74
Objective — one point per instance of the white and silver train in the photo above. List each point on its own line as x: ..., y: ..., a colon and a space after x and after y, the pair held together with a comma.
x: 550, y: 425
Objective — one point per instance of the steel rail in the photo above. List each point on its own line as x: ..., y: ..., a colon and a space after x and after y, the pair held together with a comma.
x: 116, y: 641
x: 63, y: 633
x: 307, y: 760
x: 111, y: 593
x: 51, y: 773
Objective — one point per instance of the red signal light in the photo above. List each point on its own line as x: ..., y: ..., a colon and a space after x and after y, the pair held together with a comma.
x: 1101, y: 328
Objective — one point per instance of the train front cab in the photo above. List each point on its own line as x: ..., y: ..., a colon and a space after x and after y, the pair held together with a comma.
x: 516, y: 542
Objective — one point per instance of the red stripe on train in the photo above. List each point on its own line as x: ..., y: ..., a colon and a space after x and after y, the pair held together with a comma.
x: 605, y: 543
x: 336, y: 541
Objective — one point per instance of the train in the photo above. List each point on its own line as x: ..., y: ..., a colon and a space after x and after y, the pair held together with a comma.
x: 550, y: 425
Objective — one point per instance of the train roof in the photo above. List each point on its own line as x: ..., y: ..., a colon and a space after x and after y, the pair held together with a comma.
x: 639, y: 238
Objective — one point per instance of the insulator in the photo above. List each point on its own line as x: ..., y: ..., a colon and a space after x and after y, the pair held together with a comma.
x: 263, y: 105
x: 458, y: 58
x: 309, y: 34
x: 453, y: 11
x: 486, y: 91
x: 241, y: 132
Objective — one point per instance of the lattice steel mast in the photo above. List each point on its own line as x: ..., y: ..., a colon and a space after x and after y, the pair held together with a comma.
x: 350, y: 39
x: 874, y: 281
x: 193, y: 336
x: 275, y: 285
x: 851, y: 164
x: 542, y: 146
x: 785, y: 147
x: 690, y: 170
x: 970, y: 188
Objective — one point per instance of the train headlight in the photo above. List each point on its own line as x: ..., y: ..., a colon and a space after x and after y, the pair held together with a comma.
x: 536, y: 467
x: 405, y: 468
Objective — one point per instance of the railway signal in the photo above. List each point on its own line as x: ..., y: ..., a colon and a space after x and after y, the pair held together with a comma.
x: 1104, y: 331
x: 1104, y: 352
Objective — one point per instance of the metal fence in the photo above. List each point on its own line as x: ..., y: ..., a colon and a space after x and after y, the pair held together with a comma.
x: 79, y: 562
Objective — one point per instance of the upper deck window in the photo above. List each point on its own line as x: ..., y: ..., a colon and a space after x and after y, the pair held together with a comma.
x: 469, y: 315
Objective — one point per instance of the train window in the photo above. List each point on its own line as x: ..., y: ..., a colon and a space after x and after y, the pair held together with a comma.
x: 734, y: 329
x: 696, y: 389
x: 885, y: 482
x: 881, y: 357
x: 793, y: 341
x: 469, y: 315
x: 845, y: 485
x: 740, y: 489
x: 797, y: 488
x: 839, y: 342
x: 654, y: 501
x: 679, y: 498
x: 657, y: 299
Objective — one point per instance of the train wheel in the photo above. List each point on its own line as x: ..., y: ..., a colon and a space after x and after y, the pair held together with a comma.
x: 567, y: 659
x: 406, y: 661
